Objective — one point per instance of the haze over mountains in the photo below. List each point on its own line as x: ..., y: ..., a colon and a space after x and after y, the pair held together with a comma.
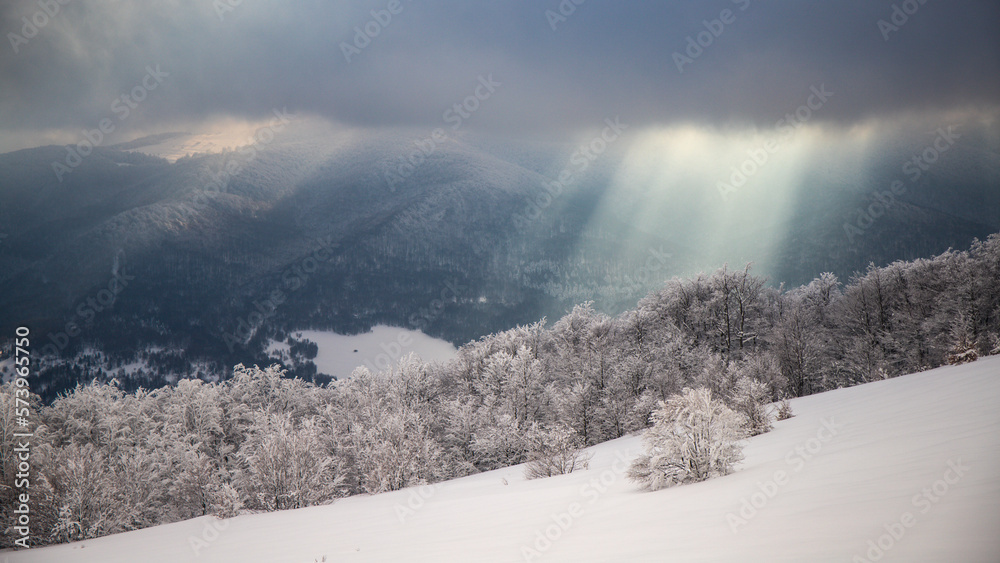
x: 264, y: 256
x: 230, y: 174
x: 316, y: 226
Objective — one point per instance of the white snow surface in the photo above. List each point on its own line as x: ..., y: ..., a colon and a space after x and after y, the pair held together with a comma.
x: 893, y: 440
x: 377, y: 349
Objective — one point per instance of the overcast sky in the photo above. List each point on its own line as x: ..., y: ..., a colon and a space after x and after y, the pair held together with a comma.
x: 606, y: 58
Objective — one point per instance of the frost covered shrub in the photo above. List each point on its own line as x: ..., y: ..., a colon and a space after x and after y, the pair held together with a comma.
x: 750, y: 399
x: 554, y: 451
x: 287, y: 465
x: 226, y: 502
x: 785, y: 410
x: 390, y: 436
x: 499, y: 444
x: 80, y: 479
x: 694, y: 437
x: 963, y: 349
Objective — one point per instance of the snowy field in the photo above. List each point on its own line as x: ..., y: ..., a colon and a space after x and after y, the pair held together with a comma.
x: 377, y: 349
x: 905, y: 470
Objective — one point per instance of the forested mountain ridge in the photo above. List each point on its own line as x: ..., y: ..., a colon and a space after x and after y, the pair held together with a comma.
x: 130, y: 254
x: 261, y: 441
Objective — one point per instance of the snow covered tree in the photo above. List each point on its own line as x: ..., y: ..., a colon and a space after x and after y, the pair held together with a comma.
x: 580, y: 407
x: 90, y: 414
x: 512, y: 384
x: 727, y: 310
x: 764, y: 368
x: 499, y: 442
x: 192, y: 438
x: 675, y: 365
x: 750, y: 399
x: 581, y: 364
x: 983, y: 279
x: 460, y: 419
x: 694, y: 437
x: 269, y: 390
x: 198, y: 481
x: 718, y: 376
x: 784, y: 410
x: 963, y: 348
x: 553, y: 450
x: 802, y: 340
x: 871, y: 350
x: 137, y: 480
x: 43, y: 511
x: 622, y: 408
x: 108, y: 460
x: 391, y: 434
x: 81, y: 481
x: 101, y: 471
x: 685, y: 306
x: 288, y: 465
x: 525, y: 388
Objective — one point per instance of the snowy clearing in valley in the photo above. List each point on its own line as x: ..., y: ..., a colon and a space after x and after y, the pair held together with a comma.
x: 377, y: 349
x: 904, y: 469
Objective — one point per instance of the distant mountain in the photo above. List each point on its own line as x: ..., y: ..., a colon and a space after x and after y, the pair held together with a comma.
x: 205, y: 259
x: 149, y: 140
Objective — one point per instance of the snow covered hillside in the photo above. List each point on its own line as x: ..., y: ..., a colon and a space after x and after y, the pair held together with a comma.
x: 906, y: 469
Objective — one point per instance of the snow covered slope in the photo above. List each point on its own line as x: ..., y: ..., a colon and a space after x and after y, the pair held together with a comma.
x: 911, y: 465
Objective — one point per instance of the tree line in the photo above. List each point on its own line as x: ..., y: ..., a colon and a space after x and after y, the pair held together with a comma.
x: 107, y: 460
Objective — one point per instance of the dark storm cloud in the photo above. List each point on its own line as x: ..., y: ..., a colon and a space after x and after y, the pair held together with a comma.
x: 605, y: 58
